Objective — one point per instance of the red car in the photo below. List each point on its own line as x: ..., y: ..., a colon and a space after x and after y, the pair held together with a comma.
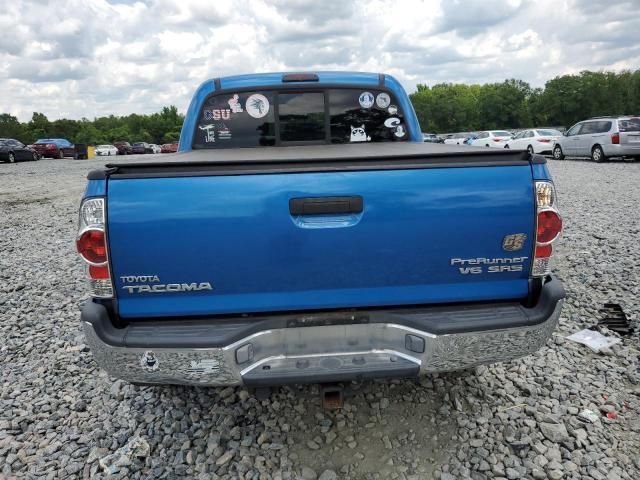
x: 54, y: 147
x: 169, y: 148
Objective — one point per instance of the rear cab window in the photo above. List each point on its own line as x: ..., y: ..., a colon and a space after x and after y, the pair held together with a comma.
x: 282, y: 117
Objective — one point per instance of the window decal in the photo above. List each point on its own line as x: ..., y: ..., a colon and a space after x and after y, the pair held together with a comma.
x: 366, y: 99
x: 257, y: 105
x: 358, y: 134
x: 217, y: 114
x: 383, y: 100
x: 234, y: 104
x: 209, y: 132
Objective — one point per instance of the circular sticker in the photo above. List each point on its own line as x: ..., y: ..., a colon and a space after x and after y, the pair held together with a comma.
x: 366, y: 99
x: 392, y: 109
x: 257, y: 105
x: 383, y: 100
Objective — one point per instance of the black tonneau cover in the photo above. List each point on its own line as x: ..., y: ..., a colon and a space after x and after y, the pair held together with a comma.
x: 316, y: 158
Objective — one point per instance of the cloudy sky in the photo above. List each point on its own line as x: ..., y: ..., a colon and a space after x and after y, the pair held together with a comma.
x: 87, y: 58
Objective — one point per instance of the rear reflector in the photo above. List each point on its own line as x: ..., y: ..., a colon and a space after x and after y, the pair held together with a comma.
x: 99, y: 272
x: 544, y: 251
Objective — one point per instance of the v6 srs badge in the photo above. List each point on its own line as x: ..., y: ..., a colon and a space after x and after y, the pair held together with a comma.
x: 152, y: 284
x: 475, y: 266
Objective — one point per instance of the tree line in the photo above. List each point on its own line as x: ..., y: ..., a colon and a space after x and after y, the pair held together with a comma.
x: 564, y: 100
x: 160, y: 127
x: 445, y: 107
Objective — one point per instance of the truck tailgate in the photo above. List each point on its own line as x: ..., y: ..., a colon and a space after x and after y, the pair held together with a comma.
x: 423, y: 235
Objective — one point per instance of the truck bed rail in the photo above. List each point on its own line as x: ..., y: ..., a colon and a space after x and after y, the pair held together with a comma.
x: 318, y: 158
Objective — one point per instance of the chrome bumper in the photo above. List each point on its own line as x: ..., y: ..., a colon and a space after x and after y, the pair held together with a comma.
x: 320, y: 354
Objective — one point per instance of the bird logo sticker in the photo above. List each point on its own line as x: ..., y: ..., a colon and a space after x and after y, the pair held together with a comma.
x: 257, y: 105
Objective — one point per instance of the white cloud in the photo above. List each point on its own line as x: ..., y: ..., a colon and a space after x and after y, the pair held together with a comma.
x: 86, y: 58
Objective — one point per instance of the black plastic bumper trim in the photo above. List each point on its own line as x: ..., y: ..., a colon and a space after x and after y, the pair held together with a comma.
x: 220, y: 331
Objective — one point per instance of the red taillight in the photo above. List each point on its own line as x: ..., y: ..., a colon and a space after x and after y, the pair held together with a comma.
x: 51, y: 146
x: 549, y: 226
x: 544, y: 140
x: 99, y: 272
x: 615, y: 138
x: 544, y: 251
x: 497, y: 139
x: 91, y: 245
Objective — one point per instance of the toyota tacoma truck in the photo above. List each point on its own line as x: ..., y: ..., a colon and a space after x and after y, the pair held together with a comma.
x: 304, y: 233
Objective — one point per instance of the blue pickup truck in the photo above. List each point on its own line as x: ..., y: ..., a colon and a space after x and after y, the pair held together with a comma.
x: 305, y: 233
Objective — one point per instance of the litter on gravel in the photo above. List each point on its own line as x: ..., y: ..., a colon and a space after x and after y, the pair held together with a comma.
x: 594, y: 340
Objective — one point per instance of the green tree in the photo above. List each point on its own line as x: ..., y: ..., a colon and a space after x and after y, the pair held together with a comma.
x: 170, y: 137
x: 88, y: 134
x: 10, y: 127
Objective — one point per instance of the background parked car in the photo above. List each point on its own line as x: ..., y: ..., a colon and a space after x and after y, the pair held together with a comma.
x: 430, y: 138
x: 538, y: 140
x: 124, y: 148
x: 491, y: 138
x: 106, y: 150
x: 601, y: 138
x: 169, y: 148
x: 457, y: 138
x: 11, y: 150
x: 54, y: 147
x: 155, y: 148
x: 470, y: 138
x: 141, y: 147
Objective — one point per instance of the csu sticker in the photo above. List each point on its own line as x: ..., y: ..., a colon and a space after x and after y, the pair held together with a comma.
x: 514, y: 242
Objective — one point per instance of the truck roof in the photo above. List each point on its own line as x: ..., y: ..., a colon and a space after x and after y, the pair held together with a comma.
x: 280, y: 78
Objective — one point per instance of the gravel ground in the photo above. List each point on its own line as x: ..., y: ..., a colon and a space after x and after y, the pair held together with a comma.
x: 62, y: 417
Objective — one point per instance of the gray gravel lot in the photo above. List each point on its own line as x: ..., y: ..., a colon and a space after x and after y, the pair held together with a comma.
x: 62, y: 417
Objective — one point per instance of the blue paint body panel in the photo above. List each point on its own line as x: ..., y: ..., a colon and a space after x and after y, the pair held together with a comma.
x: 236, y: 232
x: 95, y: 188
x: 258, y: 80
x: 541, y: 171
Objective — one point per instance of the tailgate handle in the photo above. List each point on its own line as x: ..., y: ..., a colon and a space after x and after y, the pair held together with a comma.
x: 325, y: 205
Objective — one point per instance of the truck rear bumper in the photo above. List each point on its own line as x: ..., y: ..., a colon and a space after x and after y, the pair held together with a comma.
x: 320, y: 347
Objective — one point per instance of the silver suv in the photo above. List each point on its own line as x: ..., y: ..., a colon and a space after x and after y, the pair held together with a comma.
x: 600, y: 138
